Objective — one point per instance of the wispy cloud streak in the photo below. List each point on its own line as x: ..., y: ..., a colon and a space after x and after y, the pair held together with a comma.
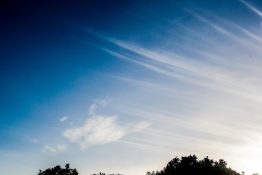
x: 252, y: 8
x: 227, y: 71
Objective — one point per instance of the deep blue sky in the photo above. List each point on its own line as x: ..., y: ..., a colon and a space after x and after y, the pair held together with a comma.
x: 136, y: 69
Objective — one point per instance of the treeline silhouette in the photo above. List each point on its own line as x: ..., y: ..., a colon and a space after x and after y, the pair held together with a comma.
x: 106, y: 174
x: 57, y: 170
x: 188, y: 165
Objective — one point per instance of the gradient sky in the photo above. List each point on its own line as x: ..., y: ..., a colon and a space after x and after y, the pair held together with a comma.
x: 125, y: 86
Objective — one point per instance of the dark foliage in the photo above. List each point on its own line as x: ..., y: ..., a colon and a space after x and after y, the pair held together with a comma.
x: 57, y: 170
x: 190, y: 165
x: 106, y: 174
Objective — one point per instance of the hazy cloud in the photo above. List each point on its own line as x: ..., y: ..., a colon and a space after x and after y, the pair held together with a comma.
x: 63, y: 119
x: 34, y: 140
x: 54, y: 149
x: 98, y: 102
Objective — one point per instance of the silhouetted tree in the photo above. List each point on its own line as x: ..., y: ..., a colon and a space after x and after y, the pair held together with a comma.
x: 190, y: 165
x: 105, y: 174
x: 57, y: 170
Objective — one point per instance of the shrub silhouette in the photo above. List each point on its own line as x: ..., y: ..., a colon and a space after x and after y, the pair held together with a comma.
x: 57, y: 170
x: 190, y: 165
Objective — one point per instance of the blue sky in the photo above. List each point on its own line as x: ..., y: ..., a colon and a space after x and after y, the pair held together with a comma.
x: 125, y: 86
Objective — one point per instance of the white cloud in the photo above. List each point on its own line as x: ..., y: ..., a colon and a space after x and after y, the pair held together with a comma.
x: 54, y: 149
x: 63, y: 119
x: 98, y: 102
x: 101, y: 130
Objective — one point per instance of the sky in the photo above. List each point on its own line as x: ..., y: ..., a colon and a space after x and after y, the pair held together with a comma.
x: 125, y: 86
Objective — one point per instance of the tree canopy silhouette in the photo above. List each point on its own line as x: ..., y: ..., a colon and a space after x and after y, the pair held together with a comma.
x: 190, y: 165
x: 57, y: 170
